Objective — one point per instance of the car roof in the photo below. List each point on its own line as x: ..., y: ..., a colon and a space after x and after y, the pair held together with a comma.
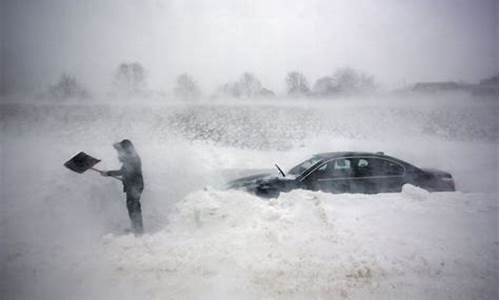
x: 329, y: 155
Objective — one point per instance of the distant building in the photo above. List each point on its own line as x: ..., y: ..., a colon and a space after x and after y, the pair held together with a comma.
x: 492, y: 81
x: 266, y: 93
x: 486, y: 87
x: 440, y: 86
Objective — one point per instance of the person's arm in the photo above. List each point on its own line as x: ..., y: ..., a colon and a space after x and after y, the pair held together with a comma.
x: 113, y: 173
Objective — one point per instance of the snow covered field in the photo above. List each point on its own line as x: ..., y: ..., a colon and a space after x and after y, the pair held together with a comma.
x: 62, y: 234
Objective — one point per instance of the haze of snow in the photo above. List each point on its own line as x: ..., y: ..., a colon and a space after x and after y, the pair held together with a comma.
x: 63, y: 234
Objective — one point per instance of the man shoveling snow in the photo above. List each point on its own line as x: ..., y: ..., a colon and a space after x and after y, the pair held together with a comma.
x: 130, y: 174
x: 133, y: 185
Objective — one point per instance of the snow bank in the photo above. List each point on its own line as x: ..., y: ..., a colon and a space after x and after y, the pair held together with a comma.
x: 310, y: 245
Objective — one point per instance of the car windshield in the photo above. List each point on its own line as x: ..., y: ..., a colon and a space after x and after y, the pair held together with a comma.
x: 300, y: 168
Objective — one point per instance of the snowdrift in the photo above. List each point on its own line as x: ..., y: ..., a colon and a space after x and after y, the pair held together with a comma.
x: 310, y: 245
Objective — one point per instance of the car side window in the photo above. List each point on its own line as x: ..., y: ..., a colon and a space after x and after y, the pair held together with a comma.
x: 342, y: 168
x: 336, y: 168
x: 363, y: 167
x: 377, y: 167
x: 389, y: 168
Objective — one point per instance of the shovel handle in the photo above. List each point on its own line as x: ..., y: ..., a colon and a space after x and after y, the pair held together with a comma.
x: 100, y: 171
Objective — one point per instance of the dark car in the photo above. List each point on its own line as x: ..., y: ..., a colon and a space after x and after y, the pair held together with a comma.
x: 347, y: 172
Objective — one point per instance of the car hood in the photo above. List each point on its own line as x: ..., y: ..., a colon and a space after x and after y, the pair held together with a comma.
x: 250, y: 180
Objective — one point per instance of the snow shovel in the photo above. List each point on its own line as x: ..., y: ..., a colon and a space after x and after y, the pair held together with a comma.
x: 83, y: 162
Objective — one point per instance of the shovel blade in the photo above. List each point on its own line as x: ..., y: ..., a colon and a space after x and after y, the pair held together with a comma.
x: 81, y: 162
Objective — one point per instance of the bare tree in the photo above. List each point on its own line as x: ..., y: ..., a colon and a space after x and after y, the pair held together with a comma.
x: 249, y: 85
x: 350, y: 81
x: 345, y: 81
x: 130, y: 78
x: 297, y: 84
x: 230, y: 89
x: 186, y: 88
x: 68, y: 87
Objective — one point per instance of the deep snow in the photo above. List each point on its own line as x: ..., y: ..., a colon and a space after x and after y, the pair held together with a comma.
x: 62, y: 234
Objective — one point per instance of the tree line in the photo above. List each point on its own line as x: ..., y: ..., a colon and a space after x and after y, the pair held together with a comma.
x: 130, y: 80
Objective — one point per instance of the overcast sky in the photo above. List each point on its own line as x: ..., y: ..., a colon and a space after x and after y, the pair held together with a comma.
x: 398, y: 41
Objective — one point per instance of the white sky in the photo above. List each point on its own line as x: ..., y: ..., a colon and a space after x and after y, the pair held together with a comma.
x: 398, y: 41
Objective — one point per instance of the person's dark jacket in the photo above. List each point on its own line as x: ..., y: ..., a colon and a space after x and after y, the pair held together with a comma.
x: 131, y: 173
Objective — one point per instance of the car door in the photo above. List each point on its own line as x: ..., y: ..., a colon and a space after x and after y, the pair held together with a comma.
x: 333, y: 176
x: 377, y: 175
